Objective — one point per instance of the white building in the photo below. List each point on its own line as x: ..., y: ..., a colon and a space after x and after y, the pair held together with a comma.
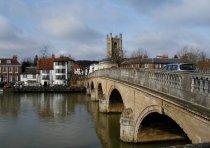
x: 55, y: 71
x: 30, y: 77
x: 102, y: 65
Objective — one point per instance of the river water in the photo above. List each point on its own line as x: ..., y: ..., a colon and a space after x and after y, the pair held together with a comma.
x: 59, y: 121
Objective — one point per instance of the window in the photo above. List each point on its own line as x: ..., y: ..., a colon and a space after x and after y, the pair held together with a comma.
x: 60, y: 77
x: 10, y: 69
x: 10, y: 78
x: 16, y: 78
x: 187, y: 67
x: 115, y: 45
x: 24, y: 76
x: 16, y: 69
x: 174, y: 67
x: 5, y: 69
x: 60, y: 71
x: 34, y: 76
x: 0, y: 69
x: 8, y: 61
x: 45, y: 71
x: 45, y: 77
x: 60, y: 63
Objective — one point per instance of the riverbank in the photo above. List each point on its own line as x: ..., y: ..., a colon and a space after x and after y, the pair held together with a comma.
x: 48, y: 89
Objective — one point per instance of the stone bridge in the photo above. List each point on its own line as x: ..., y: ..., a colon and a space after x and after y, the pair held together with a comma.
x: 169, y: 105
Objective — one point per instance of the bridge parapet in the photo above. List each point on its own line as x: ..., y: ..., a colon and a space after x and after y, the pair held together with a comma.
x: 188, y: 89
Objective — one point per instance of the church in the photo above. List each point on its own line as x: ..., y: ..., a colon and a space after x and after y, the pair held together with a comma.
x: 114, y: 53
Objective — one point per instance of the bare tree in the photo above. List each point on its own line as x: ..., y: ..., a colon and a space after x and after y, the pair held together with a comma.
x: 44, y: 51
x: 118, y: 58
x: 202, y: 56
x: 139, y: 54
x: 35, y: 60
x: 26, y: 62
x: 188, y: 54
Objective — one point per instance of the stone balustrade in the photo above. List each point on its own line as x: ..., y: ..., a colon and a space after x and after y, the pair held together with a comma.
x: 190, y: 88
x: 204, y: 70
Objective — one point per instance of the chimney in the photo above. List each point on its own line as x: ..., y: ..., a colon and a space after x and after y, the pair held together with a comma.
x: 14, y: 57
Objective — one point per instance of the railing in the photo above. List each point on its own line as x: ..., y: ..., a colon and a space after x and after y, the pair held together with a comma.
x: 193, y: 88
x: 204, y: 70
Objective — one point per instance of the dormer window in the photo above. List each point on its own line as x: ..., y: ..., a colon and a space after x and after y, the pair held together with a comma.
x: 8, y: 61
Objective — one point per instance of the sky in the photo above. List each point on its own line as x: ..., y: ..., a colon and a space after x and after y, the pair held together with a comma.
x: 79, y: 27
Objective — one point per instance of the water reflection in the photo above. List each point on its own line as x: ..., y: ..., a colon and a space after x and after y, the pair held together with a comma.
x: 9, y: 104
x: 108, y: 130
x: 58, y: 120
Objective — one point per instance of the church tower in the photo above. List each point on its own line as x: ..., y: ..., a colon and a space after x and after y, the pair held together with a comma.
x: 114, y: 46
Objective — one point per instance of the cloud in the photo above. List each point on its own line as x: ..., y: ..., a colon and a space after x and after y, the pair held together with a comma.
x: 92, y: 52
x: 69, y: 28
x: 14, y: 41
x: 185, y: 12
x: 147, y: 7
x: 7, y: 30
x: 167, y: 42
x: 79, y: 27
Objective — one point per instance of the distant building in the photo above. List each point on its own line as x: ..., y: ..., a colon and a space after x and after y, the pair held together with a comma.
x: 55, y: 71
x: 78, y: 70
x: 154, y: 63
x: 114, y: 46
x: 102, y: 65
x: 114, y: 53
x: 30, y: 77
x: 10, y: 69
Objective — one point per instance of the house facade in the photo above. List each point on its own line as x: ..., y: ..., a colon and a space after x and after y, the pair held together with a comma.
x: 55, y: 71
x: 78, y: 70
x: 10, y: 69
x: 30, y: 77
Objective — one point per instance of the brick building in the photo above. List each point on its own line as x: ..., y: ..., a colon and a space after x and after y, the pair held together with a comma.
x: 10, y: 69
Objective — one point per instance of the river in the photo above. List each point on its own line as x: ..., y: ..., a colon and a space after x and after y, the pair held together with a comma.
x: 56, y: 120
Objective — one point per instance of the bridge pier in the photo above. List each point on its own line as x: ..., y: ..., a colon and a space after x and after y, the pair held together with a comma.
x: 103, y: 105
x: 93, y: 95
x: 127, y: 126
x: 88, y: 91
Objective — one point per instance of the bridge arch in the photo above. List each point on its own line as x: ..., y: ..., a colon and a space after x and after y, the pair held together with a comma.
x: 183, y: 125
x: 100, y: 94
x: 91, y: 85
x: 153, y: 119
x: 115, y: 101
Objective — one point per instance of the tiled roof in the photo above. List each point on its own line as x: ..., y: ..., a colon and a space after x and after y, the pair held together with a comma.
x: 77, y: 66
x: 5, y: 61
x: 62, y: 59
x: 45, y: 64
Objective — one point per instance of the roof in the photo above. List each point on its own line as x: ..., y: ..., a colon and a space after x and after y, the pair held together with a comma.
x: 152, y: 61
x: 30, y: 70
x: 13, y: 61
x: 107, y: 60
x: 77, y: 66
x: 45, y: 64
x: 62, y: 59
